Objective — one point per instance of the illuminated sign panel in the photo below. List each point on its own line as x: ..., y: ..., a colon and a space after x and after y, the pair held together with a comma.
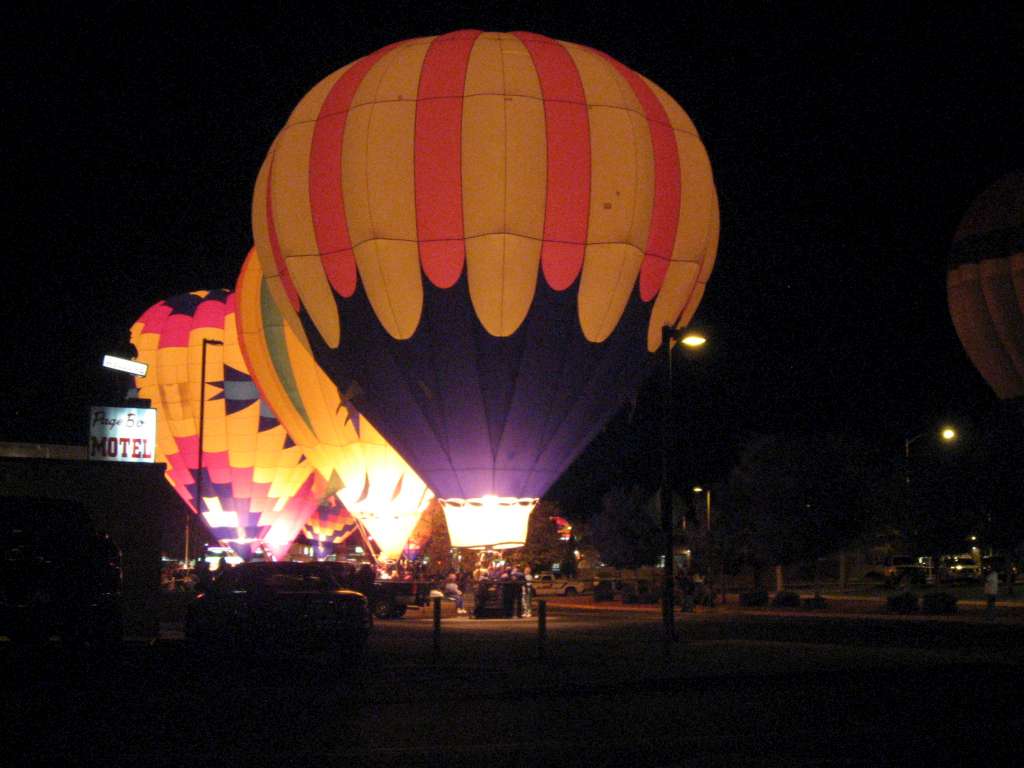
x: 122, y: 434
x: 134, y: 367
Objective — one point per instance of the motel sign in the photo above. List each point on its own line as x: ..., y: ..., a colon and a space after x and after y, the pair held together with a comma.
x: 122, y: 434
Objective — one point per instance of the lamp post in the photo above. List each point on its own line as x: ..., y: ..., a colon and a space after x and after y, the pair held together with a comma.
x: 693, y: 340
x: 199, y: 467
x: 707, y: 494
x: 947, y: 434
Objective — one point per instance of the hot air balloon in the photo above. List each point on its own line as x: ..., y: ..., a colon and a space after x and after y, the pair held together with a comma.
x: 373, y: 481
x: 331, y: 524
x: 257, y: 488
x: 480, y: 237
x: 985, y: 286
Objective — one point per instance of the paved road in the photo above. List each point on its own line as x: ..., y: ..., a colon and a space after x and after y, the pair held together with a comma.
x: 740, y: 688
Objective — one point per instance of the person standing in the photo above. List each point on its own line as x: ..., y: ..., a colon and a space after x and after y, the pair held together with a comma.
x: 991, y: 590
x: 527, y: 592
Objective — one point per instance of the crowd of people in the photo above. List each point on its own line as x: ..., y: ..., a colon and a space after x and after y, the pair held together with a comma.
x: 485, y: 582
x: 454, y: 585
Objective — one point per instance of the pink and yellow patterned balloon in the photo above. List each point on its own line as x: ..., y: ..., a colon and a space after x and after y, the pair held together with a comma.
x: 257, y: 487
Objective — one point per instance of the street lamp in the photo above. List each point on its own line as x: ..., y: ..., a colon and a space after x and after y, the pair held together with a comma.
x: 946, y: 434
x: 707, y: 492
x: 199, y: 467
x: 669, y: 335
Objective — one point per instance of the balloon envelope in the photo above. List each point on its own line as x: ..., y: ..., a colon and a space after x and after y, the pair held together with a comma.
x: 986, y: 285
x: 480, y: 236
x: 257, y: 489
x: 373, y: 481
x: 331, y: 524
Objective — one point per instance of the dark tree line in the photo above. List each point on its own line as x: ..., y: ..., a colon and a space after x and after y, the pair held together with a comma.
x: 799, y: 497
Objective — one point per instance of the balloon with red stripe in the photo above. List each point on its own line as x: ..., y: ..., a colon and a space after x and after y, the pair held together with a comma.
x: 481, y: 236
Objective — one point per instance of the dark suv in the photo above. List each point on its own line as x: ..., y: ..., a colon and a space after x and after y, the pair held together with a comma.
x: 900, y: 569
x: 274, y: 608
x: 58, y: 575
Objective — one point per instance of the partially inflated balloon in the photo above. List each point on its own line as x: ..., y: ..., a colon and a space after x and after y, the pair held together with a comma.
x: 480, y: 237
x: 330, y: 525
x: 257, y: 488
x: 986, y: 285
x: 375, y: 484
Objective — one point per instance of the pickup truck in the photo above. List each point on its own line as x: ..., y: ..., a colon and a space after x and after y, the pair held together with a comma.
x: 546, y: 583
x: 388, y: 598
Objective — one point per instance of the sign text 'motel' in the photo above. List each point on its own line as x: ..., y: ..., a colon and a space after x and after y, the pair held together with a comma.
x: 122, y: 434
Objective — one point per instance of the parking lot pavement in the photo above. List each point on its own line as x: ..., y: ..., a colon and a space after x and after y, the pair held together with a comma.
x: 968, y: 609
x: 740, y: 687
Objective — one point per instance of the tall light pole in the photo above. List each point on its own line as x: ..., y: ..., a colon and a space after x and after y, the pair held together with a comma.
x: 199, y: 467
x: 947, y: 434
x: 707, y: 494
x: 668, y: 336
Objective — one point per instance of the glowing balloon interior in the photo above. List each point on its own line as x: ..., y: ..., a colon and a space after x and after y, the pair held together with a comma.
x: 490, y: 522
x: 373, y: 481
x: 480, y: 236
x: 257, y: 489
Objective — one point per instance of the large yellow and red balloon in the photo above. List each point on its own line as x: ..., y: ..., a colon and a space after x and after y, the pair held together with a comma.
x: 986, y: 285
x: 257, y: 489
x: 479, y: 237
x: 373, y: 481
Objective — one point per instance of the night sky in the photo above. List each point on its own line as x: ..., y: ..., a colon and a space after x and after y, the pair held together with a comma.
x: 846, y: 145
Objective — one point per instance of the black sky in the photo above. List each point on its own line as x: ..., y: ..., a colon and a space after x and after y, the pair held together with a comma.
x: 846, y: 145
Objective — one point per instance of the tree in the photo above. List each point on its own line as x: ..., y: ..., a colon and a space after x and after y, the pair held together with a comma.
x: 973, y: 487
x: 626, y: 530
x: 432, y: 531
x: 793, y: 498
x: 543, y: 546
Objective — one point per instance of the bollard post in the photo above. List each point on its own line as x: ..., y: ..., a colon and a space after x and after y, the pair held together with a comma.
x: 542, y: 628
x: 437, y: 628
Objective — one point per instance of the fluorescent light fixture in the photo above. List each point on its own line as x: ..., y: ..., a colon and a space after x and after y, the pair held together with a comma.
x: 134, y: 367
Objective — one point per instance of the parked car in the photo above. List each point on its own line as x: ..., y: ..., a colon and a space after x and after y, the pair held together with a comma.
x: 904, y: 569
x: 278, y: 608
x: 1002, y: 564
x: 959, y: 568
x: 58, y: 575
x: 546, y: 583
